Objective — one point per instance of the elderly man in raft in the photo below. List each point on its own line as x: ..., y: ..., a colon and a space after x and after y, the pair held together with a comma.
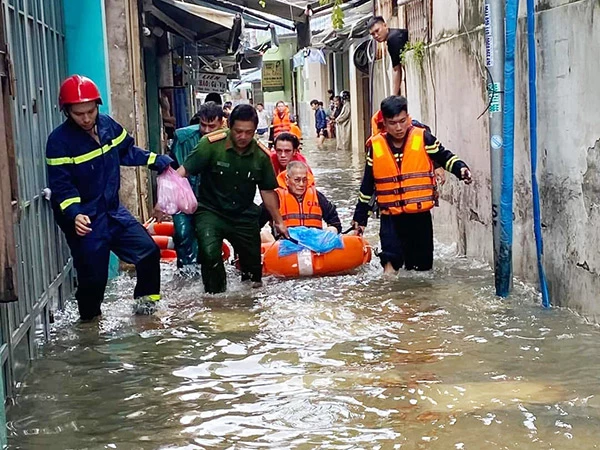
x: 300, y: 203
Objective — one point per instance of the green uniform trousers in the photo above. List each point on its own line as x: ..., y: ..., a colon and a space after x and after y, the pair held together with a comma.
x: 184, y: 238
x: 243, y: 234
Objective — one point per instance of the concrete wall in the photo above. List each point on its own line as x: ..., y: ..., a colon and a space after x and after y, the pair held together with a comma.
x: 448, y: 92
x: 283, y: 53
x: 128, y: 95
x: 315, y: 79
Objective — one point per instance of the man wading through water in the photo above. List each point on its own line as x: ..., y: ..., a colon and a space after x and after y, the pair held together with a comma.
x: 399, y: 170
x: 83, y: 156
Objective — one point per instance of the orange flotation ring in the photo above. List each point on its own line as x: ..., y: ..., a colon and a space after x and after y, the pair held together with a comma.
x: 225, y: 251
x: 161, y: 229
x: 355, y: 253
x: 168, y: 255
x: 164, y: 242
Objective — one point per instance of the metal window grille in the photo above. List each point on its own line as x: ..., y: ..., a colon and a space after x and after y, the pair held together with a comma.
x: 417, y: 15
x: 35, y: 38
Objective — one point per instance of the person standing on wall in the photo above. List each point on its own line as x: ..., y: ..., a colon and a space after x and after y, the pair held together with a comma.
x: 396, y: 40
x: 83, y: 157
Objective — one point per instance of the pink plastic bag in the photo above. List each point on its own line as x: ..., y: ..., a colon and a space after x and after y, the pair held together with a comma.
x: 174, y: 193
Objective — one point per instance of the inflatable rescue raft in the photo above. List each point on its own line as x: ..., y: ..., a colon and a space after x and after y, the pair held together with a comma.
x: 355, y: 253
x: 162, y: 234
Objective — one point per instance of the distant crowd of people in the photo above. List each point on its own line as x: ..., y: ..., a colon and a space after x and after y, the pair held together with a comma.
x: 332, y: 122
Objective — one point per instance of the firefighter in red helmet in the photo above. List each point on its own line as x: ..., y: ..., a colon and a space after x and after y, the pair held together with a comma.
x: 83, y: 158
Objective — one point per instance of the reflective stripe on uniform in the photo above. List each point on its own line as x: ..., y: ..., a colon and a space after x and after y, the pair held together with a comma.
x: 364, y: 198
x: 151, y: 158
x: 433, y: 148
x: 89, y: 155
x: 68, y: 202
x: 450, y: 163
x: 301, y: 216
x: 154, y: 297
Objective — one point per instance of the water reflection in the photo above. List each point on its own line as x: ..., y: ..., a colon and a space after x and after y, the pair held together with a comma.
x: 415, y: 361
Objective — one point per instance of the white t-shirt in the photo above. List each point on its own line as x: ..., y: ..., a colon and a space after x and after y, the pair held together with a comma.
x: 263, y: 119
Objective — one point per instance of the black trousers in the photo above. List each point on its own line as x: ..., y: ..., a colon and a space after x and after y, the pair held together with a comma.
x: 407, y: 241
x: 91, y: 254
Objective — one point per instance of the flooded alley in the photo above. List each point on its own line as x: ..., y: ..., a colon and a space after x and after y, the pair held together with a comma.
x: 360, y: 361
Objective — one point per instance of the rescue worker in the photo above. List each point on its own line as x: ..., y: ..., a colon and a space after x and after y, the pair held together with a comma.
x: 285, y: 150
x: 83, y: 157
x: 301, y: 204
x: 399, y: 170
x: 377, y: 127
x: 281, y: 121
x: 210, y: 118
x: 231, y: 165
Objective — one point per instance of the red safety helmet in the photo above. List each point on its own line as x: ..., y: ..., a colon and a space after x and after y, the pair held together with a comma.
x: 78, y: 89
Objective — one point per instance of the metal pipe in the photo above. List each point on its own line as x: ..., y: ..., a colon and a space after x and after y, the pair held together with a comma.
x: 3, y: 438
x: 504, y: 266
x: 537, y: 222
x: 494, y: 61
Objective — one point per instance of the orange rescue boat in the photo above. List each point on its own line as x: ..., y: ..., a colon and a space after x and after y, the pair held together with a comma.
x: 355, y: 253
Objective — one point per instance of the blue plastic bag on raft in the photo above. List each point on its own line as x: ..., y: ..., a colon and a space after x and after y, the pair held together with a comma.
x: 314, y: 239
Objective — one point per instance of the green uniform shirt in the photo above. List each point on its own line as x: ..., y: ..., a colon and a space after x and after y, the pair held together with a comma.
x: 228, y: 180
x: 184, y: 142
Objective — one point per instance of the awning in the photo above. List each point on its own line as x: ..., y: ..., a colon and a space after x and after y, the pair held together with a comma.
x: 274, y: 12
x: 193, y: 22
x: 355, y: 27
x: 218, y: 17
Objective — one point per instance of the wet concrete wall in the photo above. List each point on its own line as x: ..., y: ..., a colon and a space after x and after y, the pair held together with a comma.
x: 128, y: 95
x: 447, y: 90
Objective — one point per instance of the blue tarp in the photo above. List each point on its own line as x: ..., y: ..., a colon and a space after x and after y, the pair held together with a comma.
x: 314, y: 239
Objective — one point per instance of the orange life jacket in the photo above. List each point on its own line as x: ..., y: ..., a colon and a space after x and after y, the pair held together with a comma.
x: 296, y: 131
x: 295, y: 214
x: 281, y: 179
x: 377, y: 123
x: 281, y: 124
x: 409, y: 188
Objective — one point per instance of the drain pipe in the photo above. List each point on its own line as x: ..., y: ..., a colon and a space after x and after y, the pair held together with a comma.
x: 3, y: 438
x: 494, y: 61
x: 504, y: 268
x: 537, y: 222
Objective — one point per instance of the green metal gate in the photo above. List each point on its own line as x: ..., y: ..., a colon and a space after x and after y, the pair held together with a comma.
x: 35, y: 37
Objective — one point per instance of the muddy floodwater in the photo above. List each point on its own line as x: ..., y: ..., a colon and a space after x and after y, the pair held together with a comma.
x: 360, y: 361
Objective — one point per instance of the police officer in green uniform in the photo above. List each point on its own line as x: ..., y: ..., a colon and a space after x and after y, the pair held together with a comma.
x: 231, y: 164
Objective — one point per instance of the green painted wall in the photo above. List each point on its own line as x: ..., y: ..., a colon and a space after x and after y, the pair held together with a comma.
x: 152, y: 100
x: 284, y: 53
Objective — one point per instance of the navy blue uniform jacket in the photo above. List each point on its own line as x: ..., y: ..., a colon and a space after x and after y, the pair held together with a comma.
x: 85, y: 176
